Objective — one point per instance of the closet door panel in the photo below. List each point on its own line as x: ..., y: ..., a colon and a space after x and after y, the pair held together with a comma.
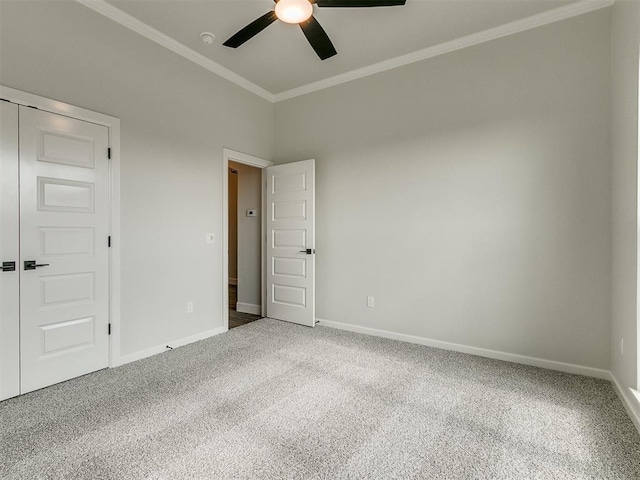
x: 64, y: 218
x: 9, y: 252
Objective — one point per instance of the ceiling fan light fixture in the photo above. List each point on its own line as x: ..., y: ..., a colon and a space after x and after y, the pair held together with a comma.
x: 294, y: 11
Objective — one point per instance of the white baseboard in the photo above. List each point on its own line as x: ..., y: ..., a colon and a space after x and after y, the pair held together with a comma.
x: 132, y: 357
x: 630, y: 399
x: 482, y: 352
x: 233, y: 281
x: 248, y: 308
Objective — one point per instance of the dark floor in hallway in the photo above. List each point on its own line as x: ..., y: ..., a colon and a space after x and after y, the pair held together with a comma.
x: 237, y: 319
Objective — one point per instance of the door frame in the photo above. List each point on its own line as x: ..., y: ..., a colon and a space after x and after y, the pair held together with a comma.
x: 113, y: 125
x: 239, y: 157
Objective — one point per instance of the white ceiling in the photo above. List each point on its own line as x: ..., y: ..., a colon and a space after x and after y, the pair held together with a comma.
x: 280, y: 59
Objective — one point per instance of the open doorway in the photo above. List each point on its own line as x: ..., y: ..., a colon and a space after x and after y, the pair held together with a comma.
x: 245, y: 247
x: 243, y: 269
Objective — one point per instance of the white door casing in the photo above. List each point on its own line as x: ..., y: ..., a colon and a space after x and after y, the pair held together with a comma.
x: 9, y: 252
x: 64, y: 212
x: 290, y: 228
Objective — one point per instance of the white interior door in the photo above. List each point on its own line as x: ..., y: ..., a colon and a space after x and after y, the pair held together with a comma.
x: 64, y: 214
x: 9, y: 253
x: 290, y: 227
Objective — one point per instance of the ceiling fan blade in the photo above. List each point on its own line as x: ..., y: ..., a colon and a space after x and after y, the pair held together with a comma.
x: 251, y: 30
x: 318, y: 38
x: 359, y: 3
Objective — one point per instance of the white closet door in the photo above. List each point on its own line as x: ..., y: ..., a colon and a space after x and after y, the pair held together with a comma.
x: 9, y: 252
x: 64, y: 270
x: 291, y: 242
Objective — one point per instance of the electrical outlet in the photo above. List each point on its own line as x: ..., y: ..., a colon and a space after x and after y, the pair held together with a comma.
x: 189, y: 307
x: 621, y: 346
x: 370, y: 302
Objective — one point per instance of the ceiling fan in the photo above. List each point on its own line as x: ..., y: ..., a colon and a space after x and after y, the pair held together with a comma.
x: 301, y: 12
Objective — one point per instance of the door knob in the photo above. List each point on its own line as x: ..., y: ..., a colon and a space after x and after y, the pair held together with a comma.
x: 32, y: 265
x: 8, y: 266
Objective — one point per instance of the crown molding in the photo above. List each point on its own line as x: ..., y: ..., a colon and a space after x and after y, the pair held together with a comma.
x: 528, y: 23
x: 160, y: 38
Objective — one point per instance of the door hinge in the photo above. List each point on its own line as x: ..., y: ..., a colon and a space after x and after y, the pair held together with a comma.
x: 109, y: 241
x: 109, y: 153
x: 109, y: 329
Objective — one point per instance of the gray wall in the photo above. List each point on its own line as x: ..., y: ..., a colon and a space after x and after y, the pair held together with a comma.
x: 175, y: 117
x: 233, y: 225
x: 469, y: 193
x: 249, y: 231
x: 625, y: 42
